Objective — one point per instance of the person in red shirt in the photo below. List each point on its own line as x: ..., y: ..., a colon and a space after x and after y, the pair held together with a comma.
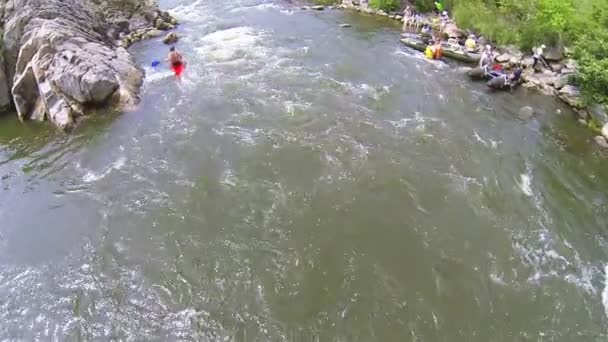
x: 176, y: 62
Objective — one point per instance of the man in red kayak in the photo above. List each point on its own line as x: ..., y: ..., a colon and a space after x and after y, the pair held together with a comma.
x: 176, y: 61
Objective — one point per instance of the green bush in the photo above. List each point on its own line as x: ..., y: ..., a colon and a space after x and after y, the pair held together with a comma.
x: 385, y: 5
x: 591, y: 52
x: 424, y: 5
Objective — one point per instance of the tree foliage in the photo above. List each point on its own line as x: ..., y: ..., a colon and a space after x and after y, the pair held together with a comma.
x: 386, y: 5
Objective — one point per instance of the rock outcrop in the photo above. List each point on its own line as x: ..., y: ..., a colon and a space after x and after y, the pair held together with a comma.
x: 62, y: 56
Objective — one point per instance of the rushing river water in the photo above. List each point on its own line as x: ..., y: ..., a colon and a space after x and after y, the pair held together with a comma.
x: 304, y: 182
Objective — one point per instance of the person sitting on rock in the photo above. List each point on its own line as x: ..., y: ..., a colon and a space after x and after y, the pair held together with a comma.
x: 426, y: 30
x: 515, y: 76
x: 176, y: 61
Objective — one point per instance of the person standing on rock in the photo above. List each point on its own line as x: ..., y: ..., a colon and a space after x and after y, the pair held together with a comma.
x: 176, y: 61
x: 538, y: 56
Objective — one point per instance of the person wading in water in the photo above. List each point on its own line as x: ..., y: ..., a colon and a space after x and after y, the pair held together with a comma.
x: 176, y: 61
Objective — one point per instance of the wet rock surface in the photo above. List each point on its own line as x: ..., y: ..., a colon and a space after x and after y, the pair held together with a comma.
x: 62, y: 56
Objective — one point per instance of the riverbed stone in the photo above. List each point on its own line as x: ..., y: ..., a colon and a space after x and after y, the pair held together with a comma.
x: 504, y: 58
x: 318, y: 7
x: 560, y: 81
x: 556, y: 67
x: 398, y: 17
x: 152, y: 33
x: 571, y: 95
x: 601, y: 141
x: 171, y: 38
x: 605, y: 130
x: 345, y: 25
x: 452, y: 31
x: 526, y: 112
x: 598, y: 113
x: 553, y: 53
x: 527, y: 62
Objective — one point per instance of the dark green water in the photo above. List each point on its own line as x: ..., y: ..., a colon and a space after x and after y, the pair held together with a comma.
x: 304, y: 182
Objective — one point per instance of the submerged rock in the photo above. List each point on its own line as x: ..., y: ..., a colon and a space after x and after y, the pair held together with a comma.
x: 526, y: 112
x: 60, y: 56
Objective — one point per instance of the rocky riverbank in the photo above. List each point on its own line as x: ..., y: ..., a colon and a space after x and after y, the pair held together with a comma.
x: 60, y: 57
x: 554, y: 81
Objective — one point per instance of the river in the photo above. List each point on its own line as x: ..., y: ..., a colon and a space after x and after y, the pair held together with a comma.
x: 304, y: 182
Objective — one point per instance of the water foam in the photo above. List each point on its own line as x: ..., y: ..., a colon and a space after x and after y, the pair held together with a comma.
x: 233, y: 44
x: 605, y: 291
x: 525, y: 184
x: 91, y: 176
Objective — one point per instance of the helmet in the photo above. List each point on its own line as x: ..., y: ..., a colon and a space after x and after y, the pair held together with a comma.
x: 488, y: 47
x: 444, y: 13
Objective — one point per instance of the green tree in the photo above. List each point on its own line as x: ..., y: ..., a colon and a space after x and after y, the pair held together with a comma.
x: 385, y: 5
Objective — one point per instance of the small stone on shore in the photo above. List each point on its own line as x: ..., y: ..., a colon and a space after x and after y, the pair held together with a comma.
x: 605, y: 130
x: 171, y: 38
x: 505, y: 57
x: 318, y: 7
x: 600, y: 140
x: 345, y: 25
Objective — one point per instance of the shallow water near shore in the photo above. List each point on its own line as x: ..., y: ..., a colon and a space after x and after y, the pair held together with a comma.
x: 304, y: 182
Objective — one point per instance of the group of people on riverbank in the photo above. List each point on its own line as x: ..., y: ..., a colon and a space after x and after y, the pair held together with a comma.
x: 432, y: 33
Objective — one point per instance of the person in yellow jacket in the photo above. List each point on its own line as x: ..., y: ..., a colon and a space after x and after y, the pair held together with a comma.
x: 470, y: 44
x: 434, y: 51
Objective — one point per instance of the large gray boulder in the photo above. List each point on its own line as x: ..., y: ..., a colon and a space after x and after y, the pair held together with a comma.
x: 452, y: 31
x: 554, y: 53
x: 60, y: 56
